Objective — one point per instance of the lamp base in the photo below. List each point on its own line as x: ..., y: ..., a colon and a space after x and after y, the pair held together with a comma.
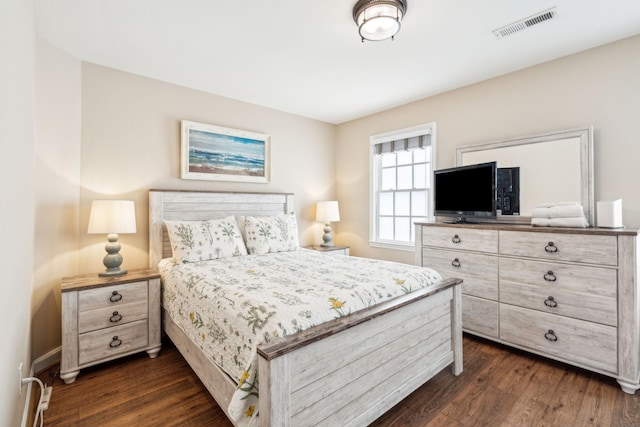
x: 112, y: 273
x: 112, y: 260
x: 327, y: 237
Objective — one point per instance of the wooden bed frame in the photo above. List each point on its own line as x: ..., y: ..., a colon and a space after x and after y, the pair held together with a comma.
x: 363, y: 364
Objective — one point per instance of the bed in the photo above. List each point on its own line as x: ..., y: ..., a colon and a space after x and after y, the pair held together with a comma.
x: 304, y: 377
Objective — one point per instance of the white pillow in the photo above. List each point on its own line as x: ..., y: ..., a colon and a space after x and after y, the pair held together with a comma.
x: 193, y: 241
x: 266, y: 234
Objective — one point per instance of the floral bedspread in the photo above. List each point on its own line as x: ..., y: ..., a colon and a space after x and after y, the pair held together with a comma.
x: 230, y: 306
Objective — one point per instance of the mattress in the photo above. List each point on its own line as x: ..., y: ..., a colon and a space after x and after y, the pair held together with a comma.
x: 230, y: 306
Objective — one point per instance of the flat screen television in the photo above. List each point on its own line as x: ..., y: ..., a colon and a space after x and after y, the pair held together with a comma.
x: 466, y: 192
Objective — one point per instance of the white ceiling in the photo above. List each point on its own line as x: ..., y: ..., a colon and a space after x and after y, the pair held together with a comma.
x: 305, y: 57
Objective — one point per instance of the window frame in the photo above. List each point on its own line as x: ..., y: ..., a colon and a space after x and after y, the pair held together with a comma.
x: 374, y: 179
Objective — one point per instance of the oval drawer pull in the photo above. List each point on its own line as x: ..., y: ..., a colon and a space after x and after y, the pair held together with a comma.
x: 456, y: 263
x: 550, y: 276
x: 456, y: 239
x: 551, y: 336
x: 550, y: 302
x: 116, y: 317
x: 551, y: 248
x: 115, y: 342
x: 115, y: 296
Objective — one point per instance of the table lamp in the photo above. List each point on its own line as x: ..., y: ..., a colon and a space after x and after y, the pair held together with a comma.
x: 327, y: 212
x: 112, y: 217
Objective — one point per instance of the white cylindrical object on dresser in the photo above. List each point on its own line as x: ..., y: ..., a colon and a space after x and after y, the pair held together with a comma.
x: 609, y: 213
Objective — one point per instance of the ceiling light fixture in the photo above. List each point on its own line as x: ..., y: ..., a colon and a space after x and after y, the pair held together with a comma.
x: 379, y: 19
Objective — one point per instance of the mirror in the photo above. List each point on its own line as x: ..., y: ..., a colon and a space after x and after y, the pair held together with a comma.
x: 554, y: 167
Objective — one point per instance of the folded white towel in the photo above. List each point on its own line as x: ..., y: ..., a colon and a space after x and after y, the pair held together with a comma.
x: 577, y: 221
x: 560, y: 211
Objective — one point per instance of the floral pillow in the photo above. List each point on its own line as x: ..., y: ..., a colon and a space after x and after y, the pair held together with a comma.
x: 266, y: 234
x: 193, y: 241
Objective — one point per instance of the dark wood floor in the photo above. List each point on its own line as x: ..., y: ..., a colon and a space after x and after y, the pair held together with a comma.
x: 499, y: 387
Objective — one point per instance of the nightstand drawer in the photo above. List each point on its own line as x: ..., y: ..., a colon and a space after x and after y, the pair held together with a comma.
x: 110, y: 342
x: 112, y: 296
x: 112, y: 316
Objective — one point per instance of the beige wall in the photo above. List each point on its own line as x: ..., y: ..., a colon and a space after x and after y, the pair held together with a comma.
x: 131, y: 143
x: 17, y: 52
x: 58, y: 148
x: 598, y: 87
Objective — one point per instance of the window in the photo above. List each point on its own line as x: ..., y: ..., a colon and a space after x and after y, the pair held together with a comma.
x: 401, y: 171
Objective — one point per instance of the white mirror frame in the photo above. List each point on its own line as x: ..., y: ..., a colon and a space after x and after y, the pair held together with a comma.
x: 585, y: 136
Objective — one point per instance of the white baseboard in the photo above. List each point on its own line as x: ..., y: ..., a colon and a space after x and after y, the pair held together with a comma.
x: 47, y: 360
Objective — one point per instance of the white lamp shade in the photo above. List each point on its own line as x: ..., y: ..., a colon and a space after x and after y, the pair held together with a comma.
x: 112, y: 216
x: 327, y: 211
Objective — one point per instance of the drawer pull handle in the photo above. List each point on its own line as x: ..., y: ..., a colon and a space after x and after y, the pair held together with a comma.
x: 115, y: 296
x: 550, y: 276
x: 551, y: 248
x: 551, y: 336
x: 456, y: 239
x: 456, y: 263
x: 116, y: 317
x: 115, y: 342
x: 550, y: 302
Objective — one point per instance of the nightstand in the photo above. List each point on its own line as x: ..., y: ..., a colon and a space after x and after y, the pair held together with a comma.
x: 339, y: 250
x: 104, y: 318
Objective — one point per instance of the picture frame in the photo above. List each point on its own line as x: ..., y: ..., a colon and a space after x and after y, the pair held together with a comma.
x: 210, y: 152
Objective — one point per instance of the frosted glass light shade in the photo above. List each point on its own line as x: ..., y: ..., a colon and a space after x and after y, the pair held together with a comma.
x: 379, y: 19
x: 327, y: 211
x: 112, y: 216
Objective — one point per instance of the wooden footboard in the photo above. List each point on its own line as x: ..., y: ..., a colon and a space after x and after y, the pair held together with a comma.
x: 353, y: 370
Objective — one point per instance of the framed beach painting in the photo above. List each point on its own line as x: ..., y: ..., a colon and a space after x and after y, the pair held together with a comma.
x: 216, y: 153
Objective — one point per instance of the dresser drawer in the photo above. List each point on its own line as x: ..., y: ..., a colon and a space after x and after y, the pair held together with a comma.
x: 591, y: 249
x: 478, y: 272
x: 587, y: 293
x: 112, y: 316
x: 111, y: 342
x: 112, y: 296
x: 577, y: 341
x: 461, y: 238
x: 480, y: 315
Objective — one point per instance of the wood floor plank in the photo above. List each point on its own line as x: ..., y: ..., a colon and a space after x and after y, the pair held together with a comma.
x: 567, y: 396
x: 598, y: 404
x: 627, y: 410
x: 498, y: 387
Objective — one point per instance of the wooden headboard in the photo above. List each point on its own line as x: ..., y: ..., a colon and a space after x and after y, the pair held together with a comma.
x: 200, y: 205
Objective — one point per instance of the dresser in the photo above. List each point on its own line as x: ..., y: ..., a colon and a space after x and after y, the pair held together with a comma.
x: 568, y: 294
x: 104, y: 318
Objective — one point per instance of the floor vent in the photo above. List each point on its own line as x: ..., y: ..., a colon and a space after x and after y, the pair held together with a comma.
x: 525, y: 23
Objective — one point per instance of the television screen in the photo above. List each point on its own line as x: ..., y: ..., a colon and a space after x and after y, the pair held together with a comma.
x: 466, y: 191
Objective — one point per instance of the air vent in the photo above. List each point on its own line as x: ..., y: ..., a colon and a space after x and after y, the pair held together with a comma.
x: 525, y: 23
